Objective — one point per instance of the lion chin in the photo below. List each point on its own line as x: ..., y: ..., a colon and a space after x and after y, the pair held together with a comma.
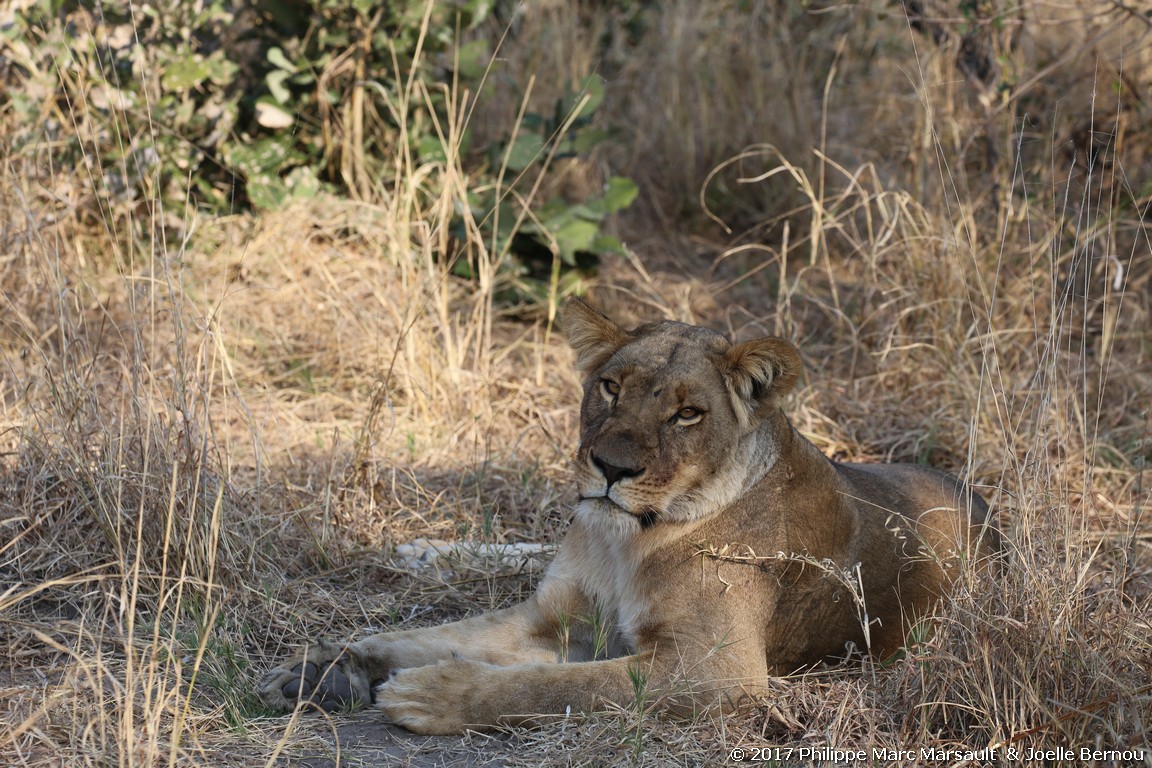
x: 605, y: 510
x: 713, y: 546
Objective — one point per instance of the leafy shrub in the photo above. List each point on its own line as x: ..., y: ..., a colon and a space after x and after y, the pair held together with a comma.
x: 231, y: 105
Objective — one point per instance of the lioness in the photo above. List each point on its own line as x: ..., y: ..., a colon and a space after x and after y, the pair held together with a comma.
x: 712, y: 546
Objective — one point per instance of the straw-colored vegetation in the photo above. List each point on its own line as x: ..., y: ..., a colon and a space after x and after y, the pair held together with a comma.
x: 214, y: 426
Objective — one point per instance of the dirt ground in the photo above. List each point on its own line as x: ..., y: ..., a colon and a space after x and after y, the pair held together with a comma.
x: 362, y: 740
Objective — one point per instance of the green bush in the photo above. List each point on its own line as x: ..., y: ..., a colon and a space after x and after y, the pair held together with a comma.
x: 230, y: 106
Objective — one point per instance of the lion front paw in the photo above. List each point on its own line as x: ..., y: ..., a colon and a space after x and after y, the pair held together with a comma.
x: 439, y: 698
x: 325, y: 675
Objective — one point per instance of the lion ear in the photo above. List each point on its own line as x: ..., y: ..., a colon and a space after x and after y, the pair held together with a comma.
x: 593, y: 337
x: 759, y: 373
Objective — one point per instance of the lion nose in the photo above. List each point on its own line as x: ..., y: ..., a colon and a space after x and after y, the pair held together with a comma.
x: 612, y: 473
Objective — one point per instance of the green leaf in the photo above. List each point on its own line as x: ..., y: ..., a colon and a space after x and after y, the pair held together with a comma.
x: 302, y: 183
x: 185, y: 70
x: 619, y: 193
x: 429, y: 149
x: 593, y: 210
x: 275, y: 82
x: 185, y: 73
x: 463, y: 268
x: 221, y: 70
x: 593, y: 88
x: 608, y: 244
x: 304, y: 77
x: 259, y: 158
x: 472, y: 58
x: 583, y: 141
x: 534, y: 121
x: 277, y: 59
x: 266, y: 192
x: 476, y: 11
x: 576, y: 235
x: 270, y: 192
x: 523, y: 151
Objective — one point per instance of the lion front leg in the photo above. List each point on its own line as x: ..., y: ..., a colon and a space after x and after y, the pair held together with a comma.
x: 331, y: 675
x: 455, y: 695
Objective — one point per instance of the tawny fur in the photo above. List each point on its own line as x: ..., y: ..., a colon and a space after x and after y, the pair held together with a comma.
x: 713, y: 546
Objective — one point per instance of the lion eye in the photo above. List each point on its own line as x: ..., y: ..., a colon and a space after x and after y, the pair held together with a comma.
x: 686, y: 417
x: 609, y: 389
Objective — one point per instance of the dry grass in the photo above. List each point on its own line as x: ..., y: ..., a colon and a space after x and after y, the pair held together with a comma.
x: 211, y: 441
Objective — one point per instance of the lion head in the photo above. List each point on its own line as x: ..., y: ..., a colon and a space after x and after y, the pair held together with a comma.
x: 675, y: 420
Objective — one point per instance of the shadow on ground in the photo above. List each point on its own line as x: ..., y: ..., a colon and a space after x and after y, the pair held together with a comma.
x: 364, y: 740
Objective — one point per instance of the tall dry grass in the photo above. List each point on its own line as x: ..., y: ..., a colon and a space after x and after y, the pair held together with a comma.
x: 215, y: 429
